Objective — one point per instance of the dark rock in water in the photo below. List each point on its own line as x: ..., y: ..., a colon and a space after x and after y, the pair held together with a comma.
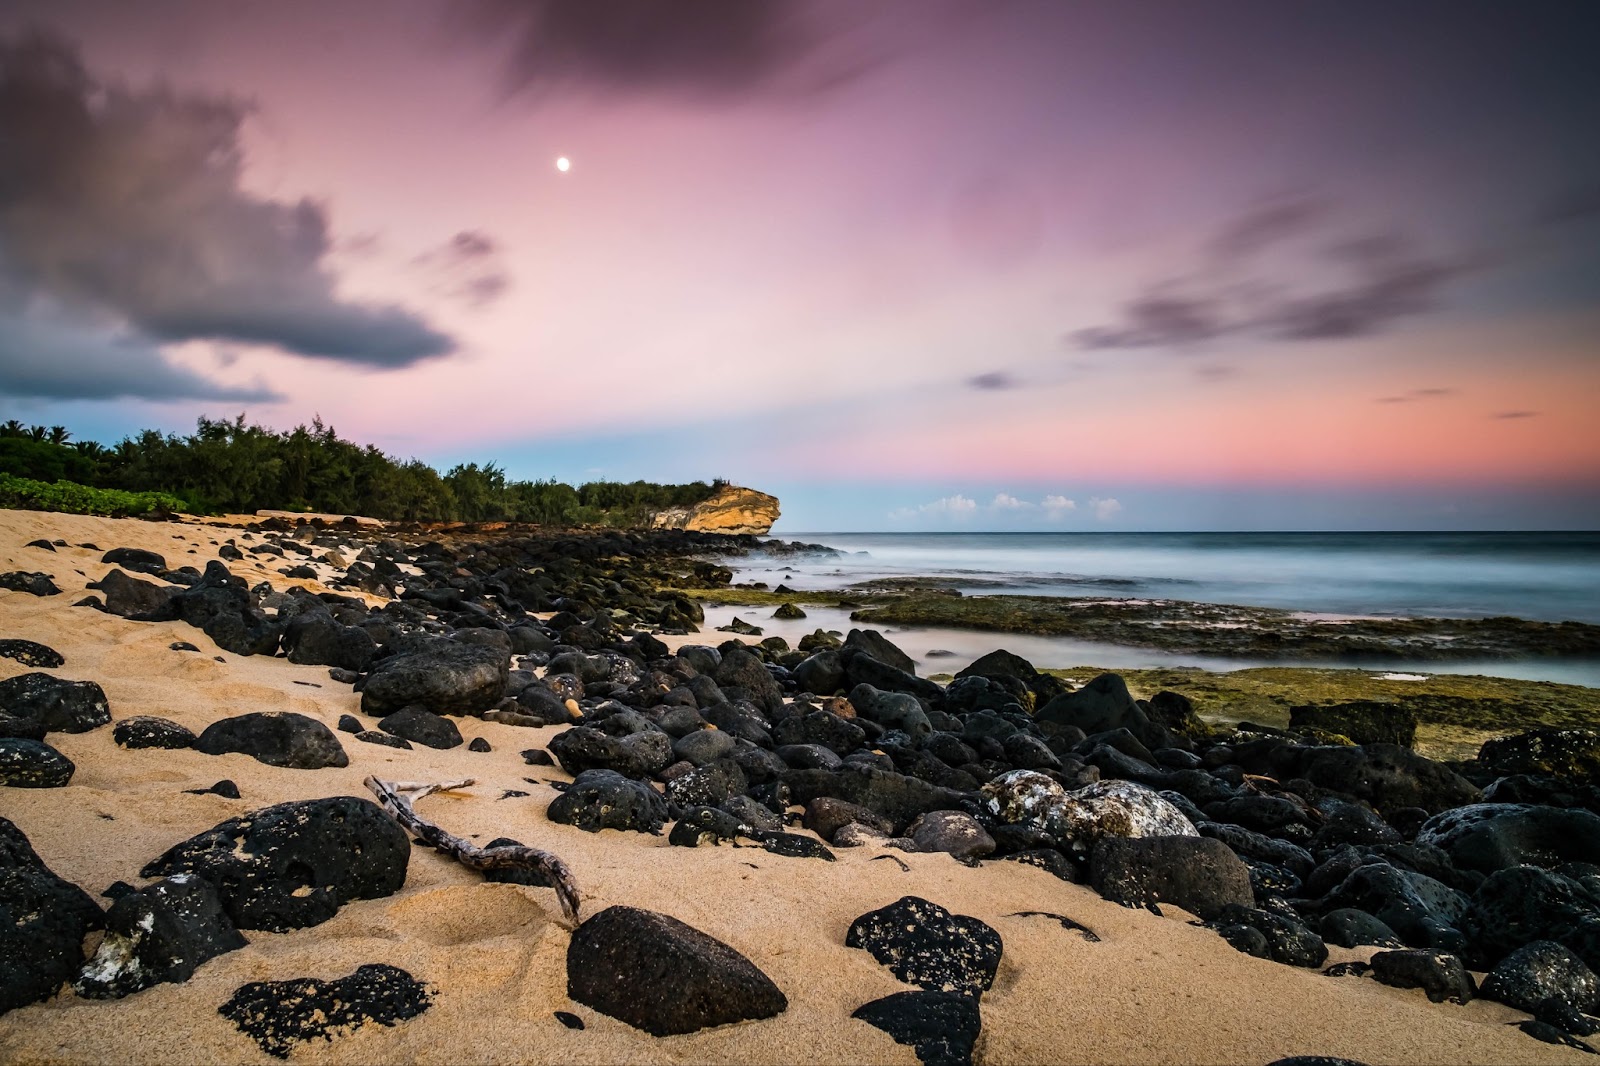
x: 1196, y: 873
x: 136, y: 559
x: 33, y: 764
x: 479, y: 744
x: 792, y: 845
x: 741, y: 627
x: 1562, y: 752
x: 147, y: 731
x: 43, y: 920
x: 788, y: 612
x: 1363, y: 721
x: 1541, y: 971
x: 587, y: 748
x: 32, y: 582
x: 1349, y: 928
x: 31, y: 653
x: 279, y: 1015
x: 604, y: 799
x: 874, y: 644
x: 293, y: 865
x: 925, y: 945
x: 1494, y: 836
x: 1287, y: 940
x: 1440, y: 975
x: 160, y: 933
x: 277, y: 738
x: 387, y: 740
x: 941, y: 1027
x: 59, y: 705
x: 349, y: 723
x: 422, y: 726
x: 445, y: 677
x: 658, y: 974
x: 1525, y: 903
x: 955, y: 833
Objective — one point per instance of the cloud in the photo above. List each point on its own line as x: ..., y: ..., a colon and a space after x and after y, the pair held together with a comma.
x: 1105, y: 509
x: 46, y: 358
x: 467, y: 268
x: 1004, y: 501
x: 1058, y: 506
x: 1508, y: 415
x: 1414, y: 395
x: 993, y: 381
x: 706, y: 49
x: 946, y: 507
x: 1004, y: 506
x: 1352, y: 286
x: 125, y: 205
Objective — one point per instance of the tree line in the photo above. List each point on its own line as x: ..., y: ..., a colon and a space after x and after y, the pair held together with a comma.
x: 234, y: 466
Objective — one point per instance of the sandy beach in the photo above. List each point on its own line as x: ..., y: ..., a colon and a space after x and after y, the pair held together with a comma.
x: 1151, y: 990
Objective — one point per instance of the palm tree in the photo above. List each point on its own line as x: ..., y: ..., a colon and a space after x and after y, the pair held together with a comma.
x: 59, y: 434
x: 92, y: 449
x: 37, y: 433
x: 13, y: 428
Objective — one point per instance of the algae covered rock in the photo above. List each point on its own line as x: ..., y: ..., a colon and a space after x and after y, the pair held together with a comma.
x: 1082, y: 818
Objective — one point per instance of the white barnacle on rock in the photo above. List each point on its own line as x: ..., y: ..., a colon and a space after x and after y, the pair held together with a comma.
x: 1081, y: 818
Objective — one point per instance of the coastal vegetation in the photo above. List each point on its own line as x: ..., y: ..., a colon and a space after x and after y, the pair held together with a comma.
x: 234, y: 466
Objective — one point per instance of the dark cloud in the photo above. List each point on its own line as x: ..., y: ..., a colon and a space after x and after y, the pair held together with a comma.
x: 125, y: 204
x: 1415, y: 395
x: 45, y: 358
x: 1573, y: 205
x: 993, y: 381
x: 1514, y: 414
x: 1266, y: 225
x: 1359, y: 286
x: 696, y: 48
x: 467, y: 268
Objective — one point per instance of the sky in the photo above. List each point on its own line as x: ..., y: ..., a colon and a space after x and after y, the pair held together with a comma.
x: 914, y: 264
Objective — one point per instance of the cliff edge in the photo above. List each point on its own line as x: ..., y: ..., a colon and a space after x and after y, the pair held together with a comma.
x: 732, y: 510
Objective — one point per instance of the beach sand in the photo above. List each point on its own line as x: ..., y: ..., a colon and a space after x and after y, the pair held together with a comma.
x: 1154, y: 989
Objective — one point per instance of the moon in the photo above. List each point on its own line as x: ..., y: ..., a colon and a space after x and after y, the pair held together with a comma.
x: 563, y: 164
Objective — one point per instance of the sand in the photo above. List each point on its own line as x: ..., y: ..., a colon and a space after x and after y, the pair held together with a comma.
x: 1154, y: 989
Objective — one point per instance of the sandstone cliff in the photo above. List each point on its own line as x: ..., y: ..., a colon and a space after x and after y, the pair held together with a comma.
x: 732, y: 510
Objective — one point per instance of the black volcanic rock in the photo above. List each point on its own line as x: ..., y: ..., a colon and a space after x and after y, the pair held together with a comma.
x: 925, y: 945
x: 277, y: 738
x: 61, y: 706
x: 160, y: 933
x: 43, y: 920
x: 280, y: 1015
x: 28, y: 763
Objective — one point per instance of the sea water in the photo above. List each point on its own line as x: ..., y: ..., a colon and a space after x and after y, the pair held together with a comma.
x: 1544, y: 576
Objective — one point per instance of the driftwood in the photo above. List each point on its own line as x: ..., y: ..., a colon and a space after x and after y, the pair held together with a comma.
x: 396, y: 797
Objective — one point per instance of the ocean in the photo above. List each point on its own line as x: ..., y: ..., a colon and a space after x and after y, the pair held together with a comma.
x: 1544, y: 576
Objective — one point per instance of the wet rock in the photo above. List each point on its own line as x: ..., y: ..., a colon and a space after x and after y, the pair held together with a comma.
x: 445, y: 677
x: 1363, y: 721
x: 31, y: 582
x: 942, y: 1027
x: 147, y: 731
x: 157, y: 934
x: 925, y: 945
x: 1539, y: 972
x: 31, y: 653
x: 1440, y: 975
x: 1200, y: 875
x: 955, y: 833
x: 1493, y: 836
x: 1080, y: 819
x: 61, y: 706
x: 874, y: 644
x: 277, y: 738
x: 136, y: 559
x: 658, y: 974
x: 28, y: 763
x: 281, y: 1015
x: 293, y: 865
x: 604, y: 799
x: 43, y: 920
x: 1562, y: 752
x: 587, y: 748
x: 422, y: 727
x: 1285, y: 939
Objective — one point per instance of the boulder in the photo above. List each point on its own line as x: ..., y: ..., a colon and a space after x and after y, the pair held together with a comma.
x: 635, y: 755
x: 1423, y: 912
x: 892, y: 710
x: 1103, y: 704
x: 147, y: 731
x: 138, y: 560
x: 741, y: 669
x: 1349, y: 928
x: 221, y: 606
x: 277, y: 738
x: 819, y: 727
x: 28, y: 763
x: 1385, y: 775
x: 826, y: 815
x: 61, y: 706
x: 941, y: 1027
x: 1493, y: 836
x: 895, y: 797
x: 604, y: 799
x: 1286, y: 939
x: 1439, y: 974
x: 31, y: 582
x: 1363, y: 721
x: 160, y: 933
x: 1538, y: 972
x: 665, y: 977
x: 1562, y: 752
x: 294, y: 864
x: 1517, y: 906
x: 315, y: 639
x: 731, y: 509
x: 1080, y: 819
x: 31, y: 653
x: 422, y: 727
x: 130, y: 597
x: 872, y: 643
x: 43, y: 920
x: 955, y: 833
x: 925, y: 945
x: 821, y: 673
x: 444, y: 677
x: 710, y: 785
x: 1198, y: 874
